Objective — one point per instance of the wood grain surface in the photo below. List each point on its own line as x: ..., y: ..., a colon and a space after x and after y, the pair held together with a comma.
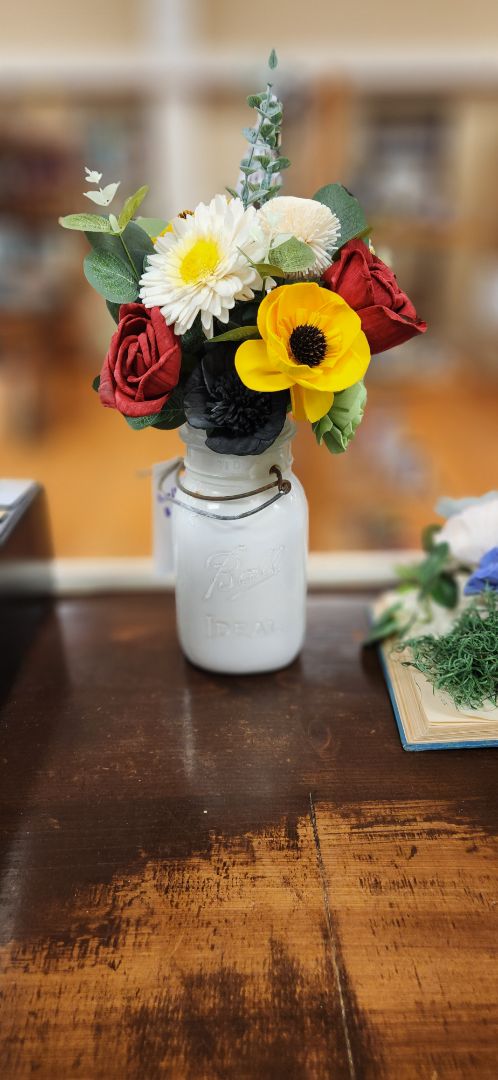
x: 207, y: 877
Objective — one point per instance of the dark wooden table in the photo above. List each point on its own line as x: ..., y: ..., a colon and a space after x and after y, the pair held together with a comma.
x: 206, y: 877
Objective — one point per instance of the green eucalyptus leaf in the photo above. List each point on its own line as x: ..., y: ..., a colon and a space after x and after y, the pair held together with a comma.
x: 408, y: 574
x: 279, y: 165
x: 272, y: 60
x: 254, y: 100
x: 138, y: 423
x: 195, y: 338
x: 96, y: 383
x: 445, y: 591
x: 269, y: 270
x: 110, y: 277
x: 89, y: 223
x: 347, y: 208
x: 170, y: 416
x: 428, y: 537
x: 385, y: 625
x: 153, y: 226
x: 293, y: 256
x: 132, y: 240
x: 432, y: 566
x: 233, y: 192
x: 237, y: 334
x: 113, y: 310
x: 131, y: 206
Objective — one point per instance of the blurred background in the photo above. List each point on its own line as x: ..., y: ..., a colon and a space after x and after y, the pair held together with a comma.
x: 400, y: 103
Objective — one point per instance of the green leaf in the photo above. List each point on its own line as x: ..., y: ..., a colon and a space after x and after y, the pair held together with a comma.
x: 386, y: 625
x: 195, y: 338
x: 96, y: 383
x: 233, y: 192
x: 238, y: 334
x: 110, y: 277
x: 445, y: 591
x: 254, y: 100
x: 153, y: 226
x: 171, y: 415
x: 89, y: 223
x: 113, y: 310
x: 269, y: 270
x: 432, y: 566
x: 250, y: 134
x: 272, y: 60
x: 138, y: 244
x: 260, y: 159
x: 347, y: 208
x: 408, y: 574
x: 428, y: 537
x: 293, y: 256
x: 279, y: 165
x: 131, y: 206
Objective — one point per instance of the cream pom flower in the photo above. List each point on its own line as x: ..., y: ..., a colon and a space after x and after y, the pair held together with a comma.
x: 204, y: 264
x: 307, y: 220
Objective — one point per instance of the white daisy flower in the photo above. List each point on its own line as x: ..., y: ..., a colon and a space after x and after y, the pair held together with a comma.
x: 203, y: 264
x: 307, y: 220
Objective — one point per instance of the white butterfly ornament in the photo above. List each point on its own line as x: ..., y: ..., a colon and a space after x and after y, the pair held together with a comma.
x: 104, y: 196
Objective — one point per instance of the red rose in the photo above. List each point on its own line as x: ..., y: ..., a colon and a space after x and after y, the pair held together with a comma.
x: 142, y: 366
x: 387, y: 316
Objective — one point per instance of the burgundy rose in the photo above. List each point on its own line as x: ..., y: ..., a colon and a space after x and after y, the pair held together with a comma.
x: 387, y: 316
x: 142, y: 366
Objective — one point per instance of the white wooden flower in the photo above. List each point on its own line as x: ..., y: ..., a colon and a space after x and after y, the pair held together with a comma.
x: 204, y: 264
x: 473, y: 531
x: 307, y: 220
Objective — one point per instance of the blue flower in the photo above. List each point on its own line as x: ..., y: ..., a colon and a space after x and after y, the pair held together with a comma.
x: 486, y: 574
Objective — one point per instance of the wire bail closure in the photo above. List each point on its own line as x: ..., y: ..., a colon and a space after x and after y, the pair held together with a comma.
x: 283, y: 486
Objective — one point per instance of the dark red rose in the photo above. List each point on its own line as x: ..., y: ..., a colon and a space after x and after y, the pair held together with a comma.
x: 142, y: 366
x: 387, y: 316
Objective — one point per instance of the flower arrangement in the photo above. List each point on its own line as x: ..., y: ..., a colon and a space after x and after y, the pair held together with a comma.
x: 247, y: 307
x: 459, y: 573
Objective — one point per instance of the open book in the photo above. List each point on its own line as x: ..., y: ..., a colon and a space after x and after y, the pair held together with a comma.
x: 427, y: 719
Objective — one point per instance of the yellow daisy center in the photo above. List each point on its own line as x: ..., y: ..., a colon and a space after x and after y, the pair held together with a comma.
x: 200, y: 261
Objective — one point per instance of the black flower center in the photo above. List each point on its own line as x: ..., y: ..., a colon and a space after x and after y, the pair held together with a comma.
x: 234, y: 406
x: 308, y: 344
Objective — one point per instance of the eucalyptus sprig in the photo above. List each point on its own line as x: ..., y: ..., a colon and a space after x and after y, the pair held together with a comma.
x: 119, y: 244
x: 262, y: 164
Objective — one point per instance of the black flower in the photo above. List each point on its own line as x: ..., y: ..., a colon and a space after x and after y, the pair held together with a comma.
x: 237, y: 420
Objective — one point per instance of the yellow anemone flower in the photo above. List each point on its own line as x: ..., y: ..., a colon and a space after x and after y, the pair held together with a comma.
x: 312, y: 343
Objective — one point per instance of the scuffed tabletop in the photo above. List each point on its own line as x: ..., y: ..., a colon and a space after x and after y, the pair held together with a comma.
x: 207, y: 877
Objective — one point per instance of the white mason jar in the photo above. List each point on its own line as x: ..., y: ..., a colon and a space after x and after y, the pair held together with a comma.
x: 240, y: 584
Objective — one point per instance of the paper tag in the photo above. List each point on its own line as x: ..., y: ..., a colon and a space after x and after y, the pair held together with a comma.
x: 163, y: 489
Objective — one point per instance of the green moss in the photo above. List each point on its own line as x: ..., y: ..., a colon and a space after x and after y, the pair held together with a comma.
x: 464, y: 662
